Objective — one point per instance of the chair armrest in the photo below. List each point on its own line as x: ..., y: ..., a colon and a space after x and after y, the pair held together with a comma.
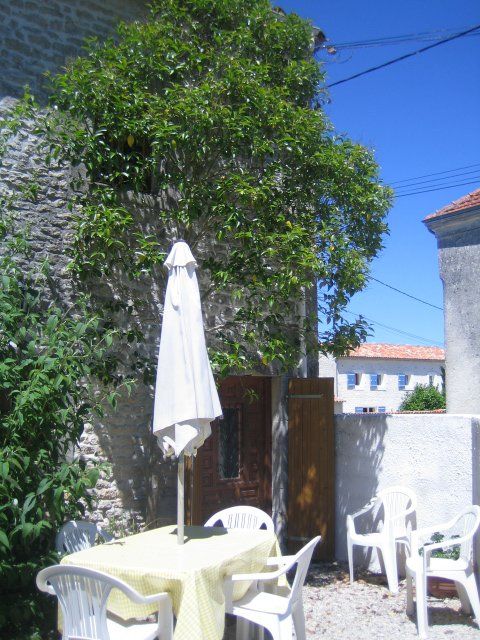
x: 277, y: 560
x: 156, y: 597
x: 104, y: 534
x: 259, y: 577
x: 445, y: 544
x: 368, y: 507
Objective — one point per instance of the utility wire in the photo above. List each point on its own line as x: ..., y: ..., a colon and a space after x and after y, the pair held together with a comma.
x: 409, y: 295
x: 458, y: 184
x: 437, y: 173
x: 391, y: 40
x: 443, y: 179
x: 394, y: 329
x: 404, y: 57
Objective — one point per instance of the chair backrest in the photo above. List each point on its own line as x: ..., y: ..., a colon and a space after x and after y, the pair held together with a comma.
x: 302, y: 560
x: 241, y: 518
x: 76, y: 536
x: 82, y: 595
x: 398, y: 502
x: 466, y: 525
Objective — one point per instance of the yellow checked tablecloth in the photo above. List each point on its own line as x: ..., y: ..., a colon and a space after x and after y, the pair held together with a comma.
x: 192, y: 574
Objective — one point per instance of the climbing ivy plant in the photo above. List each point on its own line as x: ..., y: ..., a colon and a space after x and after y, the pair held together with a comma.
x: 212, y: 110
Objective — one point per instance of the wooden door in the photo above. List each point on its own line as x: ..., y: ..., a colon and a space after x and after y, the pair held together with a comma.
x: 233, y: 467
x: 311, y: 464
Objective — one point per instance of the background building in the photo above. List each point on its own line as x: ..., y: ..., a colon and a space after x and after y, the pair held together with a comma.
x: 374, y: 378
x: 457, y: 229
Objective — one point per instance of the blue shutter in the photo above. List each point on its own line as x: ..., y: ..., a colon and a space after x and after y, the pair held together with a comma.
x: 381, y: 410
x: 402, y: 381
x: 351, y: 380
x: 374, y: 381
x: 358, y: 409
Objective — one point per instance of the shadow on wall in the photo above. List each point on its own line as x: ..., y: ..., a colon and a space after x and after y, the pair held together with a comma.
x: 358, y: 462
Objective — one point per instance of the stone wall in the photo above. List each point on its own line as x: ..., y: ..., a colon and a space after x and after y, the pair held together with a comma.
x: 40, y: 35
x: 458, y: 238
x: 435, y: 455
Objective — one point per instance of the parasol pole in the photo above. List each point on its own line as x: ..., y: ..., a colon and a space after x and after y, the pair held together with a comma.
x: 181, y: 499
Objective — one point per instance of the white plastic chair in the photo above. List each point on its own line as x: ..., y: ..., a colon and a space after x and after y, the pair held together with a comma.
x: 280, y: 612
x: 421, y: 565
x: 241, y: 518
x: 77, y: 535
x: 398, y: 503
x: 83, y: 594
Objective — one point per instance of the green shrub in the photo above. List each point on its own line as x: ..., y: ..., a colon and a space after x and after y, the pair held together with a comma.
x: 423, y: 398
x: 47, y: 355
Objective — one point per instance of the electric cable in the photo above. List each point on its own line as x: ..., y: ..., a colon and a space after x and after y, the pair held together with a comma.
x: 395, y: 330
x: 409, y: 295
x: 437, y: 173
x: 404, y: 57
x: 458, y: 184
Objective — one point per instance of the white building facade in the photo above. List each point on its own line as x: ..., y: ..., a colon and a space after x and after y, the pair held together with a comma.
x: 375, y: 378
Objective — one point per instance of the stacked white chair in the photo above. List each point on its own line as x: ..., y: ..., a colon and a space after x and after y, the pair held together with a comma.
x: 241, y: 518
x: 83, y: 593
x: 281, y: 612
x: 421, y: 565
x: 398, y: 504
x: 78, y: 535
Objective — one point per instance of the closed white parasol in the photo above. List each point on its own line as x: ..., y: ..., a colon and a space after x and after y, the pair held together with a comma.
x: 186, y: 398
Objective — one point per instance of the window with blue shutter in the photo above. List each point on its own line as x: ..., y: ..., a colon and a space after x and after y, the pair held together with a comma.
x: 402, y: 381
x: 351, y: 380
x: 374, y: 381
x: 359, y: 410
x: 381, y: 409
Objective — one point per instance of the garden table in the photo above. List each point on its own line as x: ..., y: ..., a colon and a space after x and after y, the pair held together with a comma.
x: 192, y: 574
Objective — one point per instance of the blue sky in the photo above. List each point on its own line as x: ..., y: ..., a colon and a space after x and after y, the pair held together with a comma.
x: 421, y: 116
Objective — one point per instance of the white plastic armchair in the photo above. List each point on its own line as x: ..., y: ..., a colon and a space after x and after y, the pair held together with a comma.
x: 241, y: 518
x: 83, y: 593
x: 77, y: 535
x: 421, y: 565
x: 280, y: 612
x: 398, y: 503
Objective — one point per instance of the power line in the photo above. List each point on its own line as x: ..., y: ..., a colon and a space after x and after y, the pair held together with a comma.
x: 394, y: 329
x: 437, y: 173
x: 458, y: 184
x: 391, y: 40
x: 444, y: 179
x: 404, y: 57
x: 409, y: 295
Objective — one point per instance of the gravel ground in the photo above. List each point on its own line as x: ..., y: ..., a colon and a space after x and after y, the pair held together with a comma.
x: 366, y: 610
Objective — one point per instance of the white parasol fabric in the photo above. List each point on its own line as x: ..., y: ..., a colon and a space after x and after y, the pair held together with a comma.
x: 186, y: 398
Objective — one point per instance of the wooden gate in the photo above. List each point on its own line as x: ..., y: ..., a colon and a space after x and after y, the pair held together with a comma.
x: 311, y: 464
x: 233, y: 467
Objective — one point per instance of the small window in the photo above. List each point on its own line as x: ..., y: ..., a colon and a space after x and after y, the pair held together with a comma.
x: 403, y: 379
x: 375, y: 381
x: 431, y: 380
x: 353, y: 380
x: 381, y: 409
x: 229, y: 444
x: 358, y: 409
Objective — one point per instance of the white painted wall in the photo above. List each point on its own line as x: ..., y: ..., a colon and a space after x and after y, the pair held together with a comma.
x: 436, y: 455
x: 388, y: 396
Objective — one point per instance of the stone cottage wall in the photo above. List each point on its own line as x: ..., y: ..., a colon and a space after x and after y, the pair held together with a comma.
x: 40, y: 35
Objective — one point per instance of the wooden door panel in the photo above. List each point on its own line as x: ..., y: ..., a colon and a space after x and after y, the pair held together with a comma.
x: 247, y: 399
x: 311, y: 470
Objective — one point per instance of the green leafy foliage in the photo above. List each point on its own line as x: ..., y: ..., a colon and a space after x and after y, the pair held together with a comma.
x: 46, y: 358
x: 423, y: 398
x: 213, y: 108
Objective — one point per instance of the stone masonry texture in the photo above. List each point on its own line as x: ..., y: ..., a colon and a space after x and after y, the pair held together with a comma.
x: 37, y: 36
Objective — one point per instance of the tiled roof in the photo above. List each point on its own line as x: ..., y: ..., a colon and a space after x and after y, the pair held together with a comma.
x: 397, y: 351
x: 466, y: 202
